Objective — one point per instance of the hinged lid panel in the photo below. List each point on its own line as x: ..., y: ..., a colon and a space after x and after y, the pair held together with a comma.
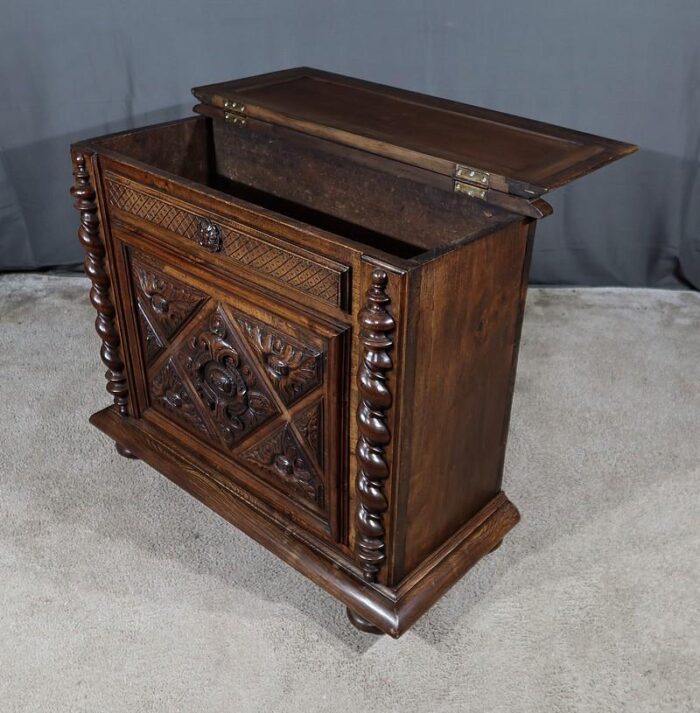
x: 506, y: 153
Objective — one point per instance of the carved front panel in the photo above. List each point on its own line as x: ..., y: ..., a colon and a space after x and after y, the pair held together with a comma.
x: 250, y: 384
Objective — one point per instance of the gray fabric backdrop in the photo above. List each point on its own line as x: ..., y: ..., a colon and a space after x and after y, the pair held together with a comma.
x: 628, y: 69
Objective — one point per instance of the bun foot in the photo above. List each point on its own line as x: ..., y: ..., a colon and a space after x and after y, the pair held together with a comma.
x: 125, y: 451
x: 362, y: 624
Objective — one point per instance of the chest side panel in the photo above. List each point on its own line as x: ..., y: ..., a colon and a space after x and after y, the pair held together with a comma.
x: 469, y: 313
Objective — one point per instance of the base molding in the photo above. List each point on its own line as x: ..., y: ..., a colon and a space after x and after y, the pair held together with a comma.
x: 390, y: 610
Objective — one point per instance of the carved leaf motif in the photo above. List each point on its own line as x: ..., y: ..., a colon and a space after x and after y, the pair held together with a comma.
x: 310, y: 423
x: 281, y: 457
x: 224, y: 381
x: 167, y: 302
x: 169, y: 392
x: 293, y: 369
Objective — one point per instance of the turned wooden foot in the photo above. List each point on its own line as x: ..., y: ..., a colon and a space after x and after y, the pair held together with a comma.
x: 362, y: 624
x: 125, y: 451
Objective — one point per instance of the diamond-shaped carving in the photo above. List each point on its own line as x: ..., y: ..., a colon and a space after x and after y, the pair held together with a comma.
x: 228, y: 385
x: 293, y: 368
x: 170, y: 393
x: 166, y: 303
x: 309, y: 423
x: 280, y: 459
x: 150, y: 341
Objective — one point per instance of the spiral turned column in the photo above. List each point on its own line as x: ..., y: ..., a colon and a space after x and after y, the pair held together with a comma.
x: 376, y: 327
x: 105, y: 324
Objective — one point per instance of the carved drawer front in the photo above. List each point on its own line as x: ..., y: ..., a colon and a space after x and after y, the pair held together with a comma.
x: 248, y: 384
x: 229, y: 242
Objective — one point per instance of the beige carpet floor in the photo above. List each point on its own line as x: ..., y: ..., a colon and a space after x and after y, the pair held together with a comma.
x: 119, y: 592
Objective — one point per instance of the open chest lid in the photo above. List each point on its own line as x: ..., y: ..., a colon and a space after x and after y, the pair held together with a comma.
x: 483, y: 152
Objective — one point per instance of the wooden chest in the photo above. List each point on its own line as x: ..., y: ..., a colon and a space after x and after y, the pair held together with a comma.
x: 309, y: 298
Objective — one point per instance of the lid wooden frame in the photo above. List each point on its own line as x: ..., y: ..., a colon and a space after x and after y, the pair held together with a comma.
x: 509, y: 154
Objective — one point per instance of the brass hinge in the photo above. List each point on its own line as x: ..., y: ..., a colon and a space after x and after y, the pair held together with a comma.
x: 234, y: 112
x: 471, y: 181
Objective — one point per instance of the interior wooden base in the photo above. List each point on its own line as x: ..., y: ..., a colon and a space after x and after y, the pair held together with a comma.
x: 390, y: 610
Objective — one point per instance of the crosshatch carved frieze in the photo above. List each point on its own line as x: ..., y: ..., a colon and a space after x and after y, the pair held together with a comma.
x: 292, y: 269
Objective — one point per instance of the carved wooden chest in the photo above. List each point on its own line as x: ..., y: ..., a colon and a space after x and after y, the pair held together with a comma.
x: 309, y: 298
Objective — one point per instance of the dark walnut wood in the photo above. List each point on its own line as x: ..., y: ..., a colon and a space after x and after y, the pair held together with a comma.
x: 164, y: 304
x: 239, y: 243
x: 310, y: 313
x: 376, y: 327
x: 362, y: 624
x: 281, y: 456
x: 293, y: 369
x: 100, y: 294
x: 225, y: 381
x: 125, y: 451
x: 309, y: 423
